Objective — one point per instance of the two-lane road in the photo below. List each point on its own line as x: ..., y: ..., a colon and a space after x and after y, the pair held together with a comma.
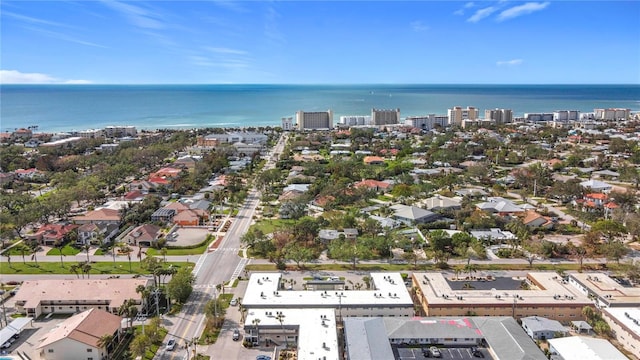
x: 212, y: 269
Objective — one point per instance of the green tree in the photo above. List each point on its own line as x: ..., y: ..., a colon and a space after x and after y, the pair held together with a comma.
x: 181, y: 285
x: 139, y: 345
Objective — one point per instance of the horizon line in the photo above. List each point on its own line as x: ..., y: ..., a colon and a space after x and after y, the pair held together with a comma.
x: 315, y: 84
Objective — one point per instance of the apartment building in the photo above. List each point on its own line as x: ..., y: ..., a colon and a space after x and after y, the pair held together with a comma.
x: 612, y: 114
x: 539, y: 294
x: 355, y: 120
x: 385, y: 117
x: 426, y: 122
x: 456, y: 114
x: 316, y: 120
x: 625, y: 325
x: 535, y: 117
x: 499, y: 116
x: 37, y: 297
x: 566, y: 115
x: 287, y: 123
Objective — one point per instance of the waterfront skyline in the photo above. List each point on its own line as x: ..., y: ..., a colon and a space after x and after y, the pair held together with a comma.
x: 302, y: 42
x: 70, y: 107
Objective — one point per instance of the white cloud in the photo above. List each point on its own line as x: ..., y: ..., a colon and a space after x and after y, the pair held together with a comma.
x: 524, y: 9
x: 460, y: 11
x: 512, y: 62
x: 137, y: 15
x: 418, y: 26
x: 468, y: 5
x: 32, y: 20
x: 17, y: 77
x: 223, y: 50
x: 482, y: 13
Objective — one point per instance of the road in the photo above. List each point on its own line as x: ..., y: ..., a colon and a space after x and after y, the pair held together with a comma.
x: 212, y: 269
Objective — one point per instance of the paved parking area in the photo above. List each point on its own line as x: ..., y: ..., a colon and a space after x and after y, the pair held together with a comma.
x: 462, y: 353
x: 187, y: 236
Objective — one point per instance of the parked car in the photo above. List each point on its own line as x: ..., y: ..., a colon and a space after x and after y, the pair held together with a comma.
x: 263, y: 357
x: 476, y: 352
x: 236, y: 335
x: 435, y: 352
x: 233, y: 302
x: 171, y: 344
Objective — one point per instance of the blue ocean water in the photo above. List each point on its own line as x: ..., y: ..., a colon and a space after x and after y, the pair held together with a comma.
x: 78, y: 107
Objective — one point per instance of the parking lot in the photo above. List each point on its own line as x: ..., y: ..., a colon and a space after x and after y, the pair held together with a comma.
x: 459, y: 353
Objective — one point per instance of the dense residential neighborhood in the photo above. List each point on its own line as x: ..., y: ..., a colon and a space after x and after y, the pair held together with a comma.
x: 349, y: 242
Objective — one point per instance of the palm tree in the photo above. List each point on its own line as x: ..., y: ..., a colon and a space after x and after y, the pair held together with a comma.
x: 34, y: 246
x: 163, y: 252
x: 104, y: 342
x: 125, y: 249
x: 75, y: 269
x: 86, y: 269
x: 255, y: 323
x: 86, y: 247
x: 130, y: 310
x: 280, y: 318
x: 8, y: 256
x: 59, y: 245
x: 144, y: 294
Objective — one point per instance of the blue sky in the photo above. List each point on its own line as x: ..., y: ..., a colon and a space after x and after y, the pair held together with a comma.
x: 305, y: 42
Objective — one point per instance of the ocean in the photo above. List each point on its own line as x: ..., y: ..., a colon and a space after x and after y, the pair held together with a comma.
x: 54, y: 108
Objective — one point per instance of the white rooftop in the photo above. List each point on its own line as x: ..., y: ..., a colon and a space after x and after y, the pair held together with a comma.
x: 628, y: 316
x: 317, y: 335
x: 585, y: 348
x: 263, y: 291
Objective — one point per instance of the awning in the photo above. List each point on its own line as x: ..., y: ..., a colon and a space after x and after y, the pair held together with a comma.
x: 14, y: 328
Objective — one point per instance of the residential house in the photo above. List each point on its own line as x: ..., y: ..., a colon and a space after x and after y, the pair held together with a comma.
x: 471, y: 193
x: 79, y: 337
x: 201, y: 204
x: 606, y: 174
x: 166, y: 173
x: 143, y: 235
x: 109, y: 216
x: 440, y: 202
x: 143, y: 186
x: 28, y: 174
x: 375, y: 185
x: 187, y: 162
x: 500, y: 206
x: 187, y: 218
x: 411, y: 215
x: 52, y: 234
x: 540, y: 328
x: 134, y: 196
x: 596, y: 185
x: 595, y: 201
x: 163, y: 215
x: 373, y: 160
x: 532, y: 219
x: 493, y: 234
x: 94, y: 233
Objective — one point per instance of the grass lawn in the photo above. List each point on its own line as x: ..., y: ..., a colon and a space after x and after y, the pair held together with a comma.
x: 420, y: 267
x: 182, y: 251
x: 96, y: 268
x: 67, y: 250
x: 268, y: 226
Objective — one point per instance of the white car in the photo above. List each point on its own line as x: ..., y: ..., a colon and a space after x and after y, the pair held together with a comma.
x: 171, y: 344
x: 233, y: 302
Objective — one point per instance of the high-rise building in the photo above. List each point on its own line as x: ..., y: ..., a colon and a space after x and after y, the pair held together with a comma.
x: 499, y: 116
x: 538, y: 117
x: 426, y: 122
x: 612, y: 114
x: 385, y: 117
x: 566, y: 115
x: 287, y: 123
x: 456, y: 114
x: 354, y: 120
x: 314, y: 120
